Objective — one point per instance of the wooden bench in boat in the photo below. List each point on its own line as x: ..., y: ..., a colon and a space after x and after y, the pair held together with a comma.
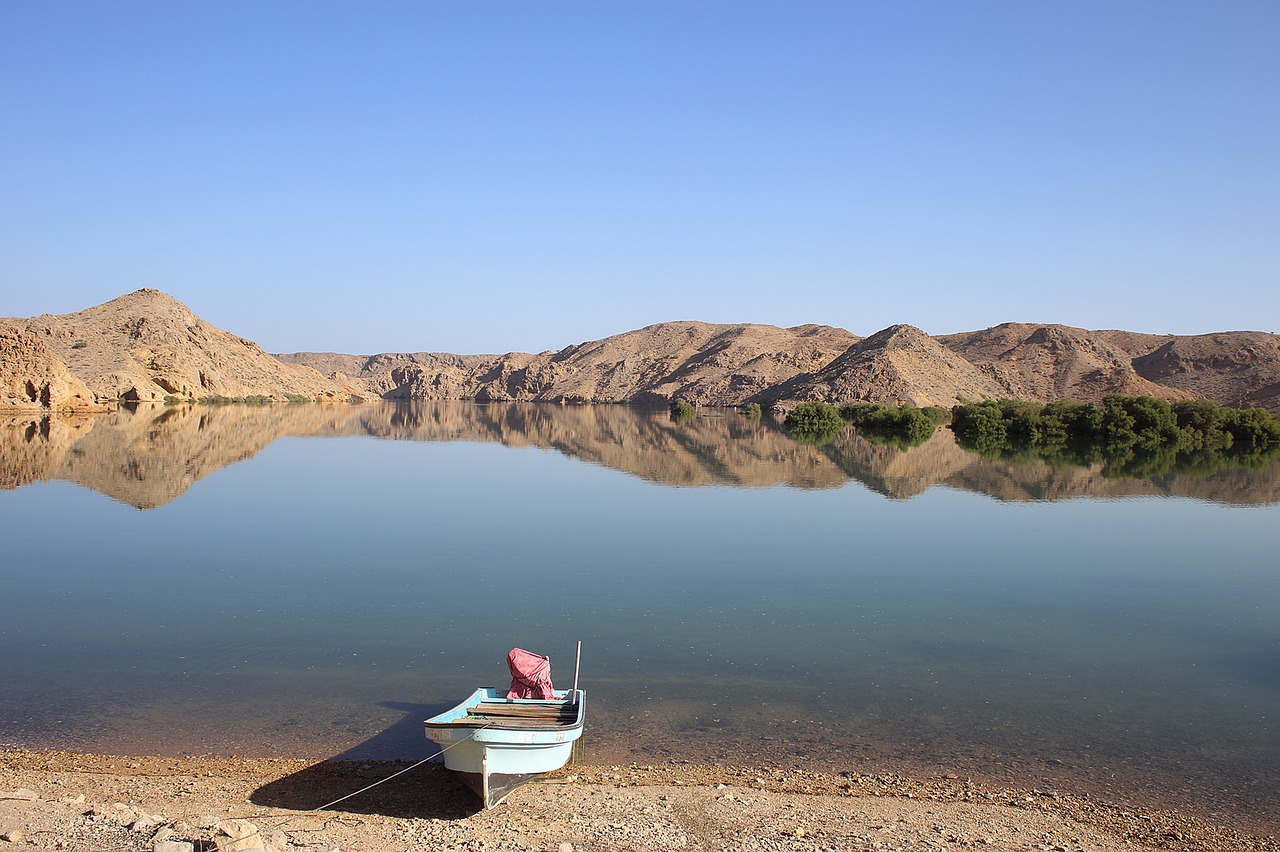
x: 524, y: 715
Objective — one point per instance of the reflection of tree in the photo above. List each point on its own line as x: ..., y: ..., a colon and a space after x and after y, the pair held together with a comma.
x: 814, y: 437
x: 882, y: 437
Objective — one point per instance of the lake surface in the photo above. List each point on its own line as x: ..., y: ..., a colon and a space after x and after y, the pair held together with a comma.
x: 311, y: 581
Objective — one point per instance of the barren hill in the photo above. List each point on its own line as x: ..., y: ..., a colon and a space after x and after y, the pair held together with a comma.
x: 704, y: 363
x: 1050, y: 362
x: 735, y: 364
x: 1240, y: 369
x: 900, y: 364
x: 146, y: 345
x: 399, y: 375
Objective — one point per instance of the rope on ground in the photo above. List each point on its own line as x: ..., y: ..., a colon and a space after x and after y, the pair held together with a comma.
x: 427, y: 759
x: 368, y: 787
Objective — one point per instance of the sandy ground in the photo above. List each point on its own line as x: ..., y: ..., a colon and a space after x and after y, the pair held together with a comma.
x: 59, y: 800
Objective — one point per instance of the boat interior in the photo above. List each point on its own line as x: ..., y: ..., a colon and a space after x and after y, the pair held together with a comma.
x: 551, y: 714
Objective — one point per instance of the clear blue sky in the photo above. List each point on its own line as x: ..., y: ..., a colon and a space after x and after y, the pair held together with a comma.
x: 487, y: 177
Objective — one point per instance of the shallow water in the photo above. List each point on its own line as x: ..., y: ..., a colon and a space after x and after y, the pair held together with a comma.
x: 308, y: 581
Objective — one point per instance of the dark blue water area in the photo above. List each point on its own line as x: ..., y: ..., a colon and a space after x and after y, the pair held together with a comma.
x: 323, y: 596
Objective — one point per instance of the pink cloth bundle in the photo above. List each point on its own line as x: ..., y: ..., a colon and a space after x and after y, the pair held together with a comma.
x: 530, y: 675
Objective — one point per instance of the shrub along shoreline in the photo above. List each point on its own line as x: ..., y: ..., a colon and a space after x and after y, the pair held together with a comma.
x: 1132, y: 436
x: 906, y: 426
x: 1138, y: 436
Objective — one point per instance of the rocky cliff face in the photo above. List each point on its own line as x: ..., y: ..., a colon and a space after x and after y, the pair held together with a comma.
x: 34, y: 379
x: 147, y: 345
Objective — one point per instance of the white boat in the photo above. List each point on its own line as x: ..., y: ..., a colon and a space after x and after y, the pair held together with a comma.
x: 497, y: 743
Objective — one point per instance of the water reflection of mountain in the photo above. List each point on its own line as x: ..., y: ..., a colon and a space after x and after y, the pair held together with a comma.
x: 148, y: 457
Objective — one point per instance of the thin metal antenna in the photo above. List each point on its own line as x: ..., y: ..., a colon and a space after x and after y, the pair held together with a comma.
x: 576, y: 663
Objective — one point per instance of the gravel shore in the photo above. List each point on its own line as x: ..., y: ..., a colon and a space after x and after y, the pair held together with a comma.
x: 60, y: 800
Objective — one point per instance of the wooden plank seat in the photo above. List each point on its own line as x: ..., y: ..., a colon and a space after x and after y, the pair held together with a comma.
x: 523, y: 715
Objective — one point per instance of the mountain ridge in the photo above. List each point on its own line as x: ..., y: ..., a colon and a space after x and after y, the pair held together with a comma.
x: 146, y: 345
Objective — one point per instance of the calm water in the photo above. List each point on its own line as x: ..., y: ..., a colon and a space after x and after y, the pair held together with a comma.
x: 306, y: 581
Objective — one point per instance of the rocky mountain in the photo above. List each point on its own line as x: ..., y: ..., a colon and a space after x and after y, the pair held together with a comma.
x: 704, y: 363
x: 899, y: 365
x: 147, y: 345
x: 736, y: 364
x: 400, y: 375
x: 1240, y: 369
x: 1049, y: 362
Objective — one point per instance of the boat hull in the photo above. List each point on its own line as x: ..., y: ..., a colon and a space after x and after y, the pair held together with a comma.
x: 495, y: 755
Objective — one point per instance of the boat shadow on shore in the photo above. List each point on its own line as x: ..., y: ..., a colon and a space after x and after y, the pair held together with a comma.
x: 428, y: 791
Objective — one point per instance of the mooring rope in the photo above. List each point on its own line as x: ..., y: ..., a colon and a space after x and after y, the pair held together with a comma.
x: 367, y: 787
x: 426, y: 759
x: 398, y: 773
